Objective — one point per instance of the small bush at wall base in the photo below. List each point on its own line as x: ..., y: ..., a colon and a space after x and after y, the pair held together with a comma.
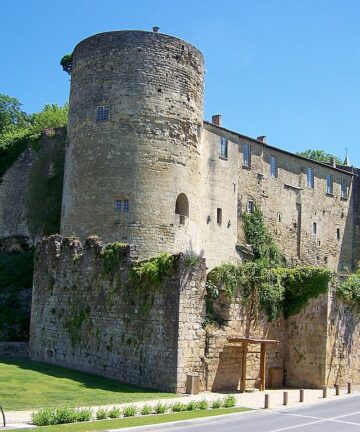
x: 203, y: 405
x: 160, y: 408
x: 84, y: 414
x: 130, y: 411
x: 229, y: 401
x: 178, y: 407
x: 191, y: 406
x: 60, y: 415
x: 102, y: 414
x: 114, y: 413
x: 217, y: 403
x: 146, y: 410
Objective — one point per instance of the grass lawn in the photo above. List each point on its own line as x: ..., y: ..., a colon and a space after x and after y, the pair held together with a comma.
x: 28, y: 385
x: 103, y: 425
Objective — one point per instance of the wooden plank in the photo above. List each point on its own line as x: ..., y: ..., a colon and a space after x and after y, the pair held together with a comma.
x: 262, y: 366
x: 253, y: 341
x: 243, y: 367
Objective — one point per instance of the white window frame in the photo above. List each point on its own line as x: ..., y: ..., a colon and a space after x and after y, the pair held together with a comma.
x: 274, y: 169
x: 250, y: 208
x: 343, y: 188
x: 246, y: 155
x: 310, y: 179
x: 224, y: 147
x: 329, y: 184
x: 102, y: 113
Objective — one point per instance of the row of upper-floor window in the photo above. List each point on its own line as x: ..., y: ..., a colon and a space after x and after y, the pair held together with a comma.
x: 274, y: 169
x: 250, y: 208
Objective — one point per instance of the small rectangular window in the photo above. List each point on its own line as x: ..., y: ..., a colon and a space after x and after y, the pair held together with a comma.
x: 224, y: 148
x: 310, y: 177
x: 103, y: 113
x: 118, y: 205
x: 126, y: 206
x: 314, y: 228
x: 250, y: 206
x: 274, y: 166
x: 338, y: 233
x: 344, y: 189
x: 246, y: 155
x: 219, y: 216
x: 329, y: 184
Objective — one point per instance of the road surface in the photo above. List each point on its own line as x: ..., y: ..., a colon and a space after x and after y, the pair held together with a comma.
x: 341, y: 415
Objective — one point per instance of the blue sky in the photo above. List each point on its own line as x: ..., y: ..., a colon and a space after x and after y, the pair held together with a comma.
x: 288, y: 69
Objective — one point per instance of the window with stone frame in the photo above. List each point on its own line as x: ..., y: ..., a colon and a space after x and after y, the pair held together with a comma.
x: 310, y: 177
x: 246, y: 155
x: 274, y: 166
x: 329, y: 184
x: 250, y: 206
x: 343, y: 188
x: 223, y: 148
x: 103, y: 113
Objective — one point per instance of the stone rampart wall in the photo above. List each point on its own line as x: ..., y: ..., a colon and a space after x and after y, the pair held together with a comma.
x: 14, y: 349
x: 86, y: 315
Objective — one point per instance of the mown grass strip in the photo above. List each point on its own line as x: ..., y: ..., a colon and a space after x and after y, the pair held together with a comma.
x: 103, y: 425
x: 29, y: 385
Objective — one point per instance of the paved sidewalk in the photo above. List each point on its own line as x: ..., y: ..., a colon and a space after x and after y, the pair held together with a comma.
x: 254, y: 400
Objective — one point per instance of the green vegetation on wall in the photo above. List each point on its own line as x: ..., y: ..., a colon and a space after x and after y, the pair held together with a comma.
x: 349, y: 291
x: 43, y: 201
x: 19, y: 130
x: 262, y: 285
x: 16, y: 274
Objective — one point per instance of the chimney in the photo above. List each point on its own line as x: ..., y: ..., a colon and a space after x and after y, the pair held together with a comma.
x: 262, y: 138
x: 216, y: 120
x: 156, y: 29
x: 333, y: 161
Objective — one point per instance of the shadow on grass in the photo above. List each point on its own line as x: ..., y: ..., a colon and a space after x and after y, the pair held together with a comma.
x: 87, y: 380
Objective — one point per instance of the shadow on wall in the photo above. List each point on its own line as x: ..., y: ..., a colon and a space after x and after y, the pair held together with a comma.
x: 229, y: 369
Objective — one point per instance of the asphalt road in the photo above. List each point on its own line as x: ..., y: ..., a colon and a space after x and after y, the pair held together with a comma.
x: 341, y: 415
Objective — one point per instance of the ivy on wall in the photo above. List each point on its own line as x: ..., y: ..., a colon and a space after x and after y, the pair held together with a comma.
x: 262, y: 284
x: 349, y: 291
x: 43, y: 202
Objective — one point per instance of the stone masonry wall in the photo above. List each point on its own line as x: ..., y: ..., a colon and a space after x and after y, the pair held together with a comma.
x: 86, y: 316
x: 14, y: 185
x: 343, y: 343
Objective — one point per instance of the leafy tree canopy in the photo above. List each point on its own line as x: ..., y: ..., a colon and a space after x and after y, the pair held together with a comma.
x: 319, y: 155
x: 11, y: 116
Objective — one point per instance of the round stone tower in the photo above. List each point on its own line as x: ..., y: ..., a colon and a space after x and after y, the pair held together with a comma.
x: 132, y: 159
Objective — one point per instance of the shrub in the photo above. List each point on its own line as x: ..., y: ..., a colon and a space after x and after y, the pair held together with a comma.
x: 203, y: 405
x: 102, y: 414
x: 84, y: 414
x: 130, y: 411
x: 146, y: 410
x: 178, y: 407
x: 191, y: 406
x: 229, y: 401
x: 217, y: 403
x: 43, y: 417
x: 114, y: 413
x: 65, y: 415
x: 160, y: 408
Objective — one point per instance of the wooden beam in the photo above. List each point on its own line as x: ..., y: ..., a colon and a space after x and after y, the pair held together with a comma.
x: 243, y: 367
x: 262, y: 366
x: 253, y: 341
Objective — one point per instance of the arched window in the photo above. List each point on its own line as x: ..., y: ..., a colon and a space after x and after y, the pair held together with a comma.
x: 182, y: 205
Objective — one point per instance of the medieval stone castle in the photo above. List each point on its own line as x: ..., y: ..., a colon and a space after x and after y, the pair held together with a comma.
x: 143, y: 168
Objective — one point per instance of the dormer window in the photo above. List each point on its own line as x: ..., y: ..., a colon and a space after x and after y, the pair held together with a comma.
x: 103, y: 113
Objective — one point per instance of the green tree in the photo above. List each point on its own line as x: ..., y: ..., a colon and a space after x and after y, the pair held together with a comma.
x: 319, y: 155
x: 51, y: 116
x: 11, y: 116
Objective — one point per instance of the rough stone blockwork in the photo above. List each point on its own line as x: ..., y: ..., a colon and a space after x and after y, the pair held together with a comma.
x: 14, y: 349
x: 87, y: 316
